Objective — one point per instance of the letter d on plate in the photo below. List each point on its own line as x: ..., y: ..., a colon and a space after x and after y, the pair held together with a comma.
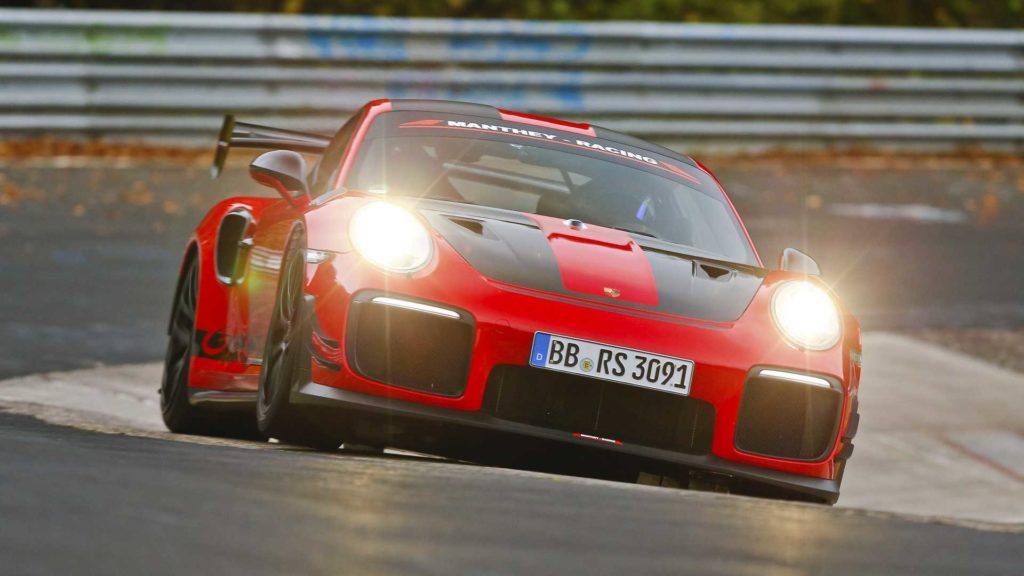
x: 539, y: 354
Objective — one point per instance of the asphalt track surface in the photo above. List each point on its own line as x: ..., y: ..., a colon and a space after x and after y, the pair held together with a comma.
x: 925, y: 448
x: 79, y: 292
x: 77, y: 502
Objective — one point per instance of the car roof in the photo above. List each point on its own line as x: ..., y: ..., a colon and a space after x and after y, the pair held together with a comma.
x: 485, y: 111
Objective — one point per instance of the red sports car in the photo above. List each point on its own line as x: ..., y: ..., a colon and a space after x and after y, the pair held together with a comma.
x: 501, y: 287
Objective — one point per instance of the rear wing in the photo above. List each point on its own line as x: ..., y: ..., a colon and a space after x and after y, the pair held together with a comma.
x: 234, y: 134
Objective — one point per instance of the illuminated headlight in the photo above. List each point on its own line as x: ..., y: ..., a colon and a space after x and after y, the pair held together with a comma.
x: 390, y: 237
x: 806, y: 315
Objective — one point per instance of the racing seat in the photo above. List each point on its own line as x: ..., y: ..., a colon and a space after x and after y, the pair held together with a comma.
x: 558, y: 205
x: 634, y: 204
x: 412, y: 172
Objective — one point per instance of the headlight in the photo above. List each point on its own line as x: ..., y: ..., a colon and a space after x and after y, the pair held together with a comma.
x: 806, y: 315
x: 390, y: 237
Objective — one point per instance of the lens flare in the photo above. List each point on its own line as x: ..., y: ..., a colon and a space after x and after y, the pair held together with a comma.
x: 806, y: 315
x: 389, y: 237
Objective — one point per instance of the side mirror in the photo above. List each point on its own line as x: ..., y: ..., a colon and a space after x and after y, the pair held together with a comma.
x: 793, y: 260
x: 282, y: 170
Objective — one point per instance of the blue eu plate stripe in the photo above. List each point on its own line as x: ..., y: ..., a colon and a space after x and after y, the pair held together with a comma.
x: 539, y: 354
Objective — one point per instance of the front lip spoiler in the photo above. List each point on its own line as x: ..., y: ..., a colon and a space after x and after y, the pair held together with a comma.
x: 317, y: 394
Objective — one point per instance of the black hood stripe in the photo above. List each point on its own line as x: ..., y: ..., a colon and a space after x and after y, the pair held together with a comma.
x: 509, y: 247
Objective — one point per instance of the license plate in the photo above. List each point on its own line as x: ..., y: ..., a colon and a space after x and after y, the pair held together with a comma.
x: 613, y: 363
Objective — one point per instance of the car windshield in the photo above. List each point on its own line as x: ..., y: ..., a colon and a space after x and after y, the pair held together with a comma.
x: 546, y: 172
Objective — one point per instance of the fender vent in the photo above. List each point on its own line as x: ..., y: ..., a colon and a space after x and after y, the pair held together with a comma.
x: 230, y: 256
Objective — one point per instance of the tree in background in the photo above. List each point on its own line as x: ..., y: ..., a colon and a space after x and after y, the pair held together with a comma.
x: 941, y: 13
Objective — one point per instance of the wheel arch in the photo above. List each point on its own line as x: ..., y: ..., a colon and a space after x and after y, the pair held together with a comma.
x: 191, y: 253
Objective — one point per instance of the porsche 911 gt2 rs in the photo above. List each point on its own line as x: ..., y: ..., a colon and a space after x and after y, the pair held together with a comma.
x: 501, y: 287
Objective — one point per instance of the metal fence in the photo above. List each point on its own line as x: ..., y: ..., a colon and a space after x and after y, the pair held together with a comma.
x: 171, y: 75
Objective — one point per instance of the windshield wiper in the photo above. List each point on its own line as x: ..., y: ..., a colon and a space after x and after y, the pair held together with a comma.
x: 648, y: 234
x: 447, y: 199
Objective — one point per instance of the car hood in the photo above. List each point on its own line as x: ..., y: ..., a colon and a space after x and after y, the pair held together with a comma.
x: 593, y: 262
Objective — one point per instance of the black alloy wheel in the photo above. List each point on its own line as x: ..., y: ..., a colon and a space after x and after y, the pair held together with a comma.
x: 286, y: 360
x: 179, y: 414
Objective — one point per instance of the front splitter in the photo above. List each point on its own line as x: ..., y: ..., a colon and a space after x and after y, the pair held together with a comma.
x: 320, y: 395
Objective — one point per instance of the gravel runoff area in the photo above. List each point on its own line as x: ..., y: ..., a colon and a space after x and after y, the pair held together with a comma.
x: 1004, y: 347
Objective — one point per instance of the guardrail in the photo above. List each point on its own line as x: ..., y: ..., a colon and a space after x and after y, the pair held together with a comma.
x: 161, y: 76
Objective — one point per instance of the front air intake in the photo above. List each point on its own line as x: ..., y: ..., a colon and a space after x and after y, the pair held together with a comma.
x: 787, y: 419
x: 410, y: 344
x: 601, y: 408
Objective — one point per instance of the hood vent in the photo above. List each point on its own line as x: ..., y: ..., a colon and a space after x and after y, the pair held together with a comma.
x: 474, y: 226
x: 512, y: 248
x: 712, y: 272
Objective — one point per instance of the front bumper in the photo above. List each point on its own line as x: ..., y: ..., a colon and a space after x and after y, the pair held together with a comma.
x: 312, y: 394
x: 504, y: 319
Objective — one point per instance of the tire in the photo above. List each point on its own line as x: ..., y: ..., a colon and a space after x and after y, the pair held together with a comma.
x: 285, y: 356
x: 180, y: 415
